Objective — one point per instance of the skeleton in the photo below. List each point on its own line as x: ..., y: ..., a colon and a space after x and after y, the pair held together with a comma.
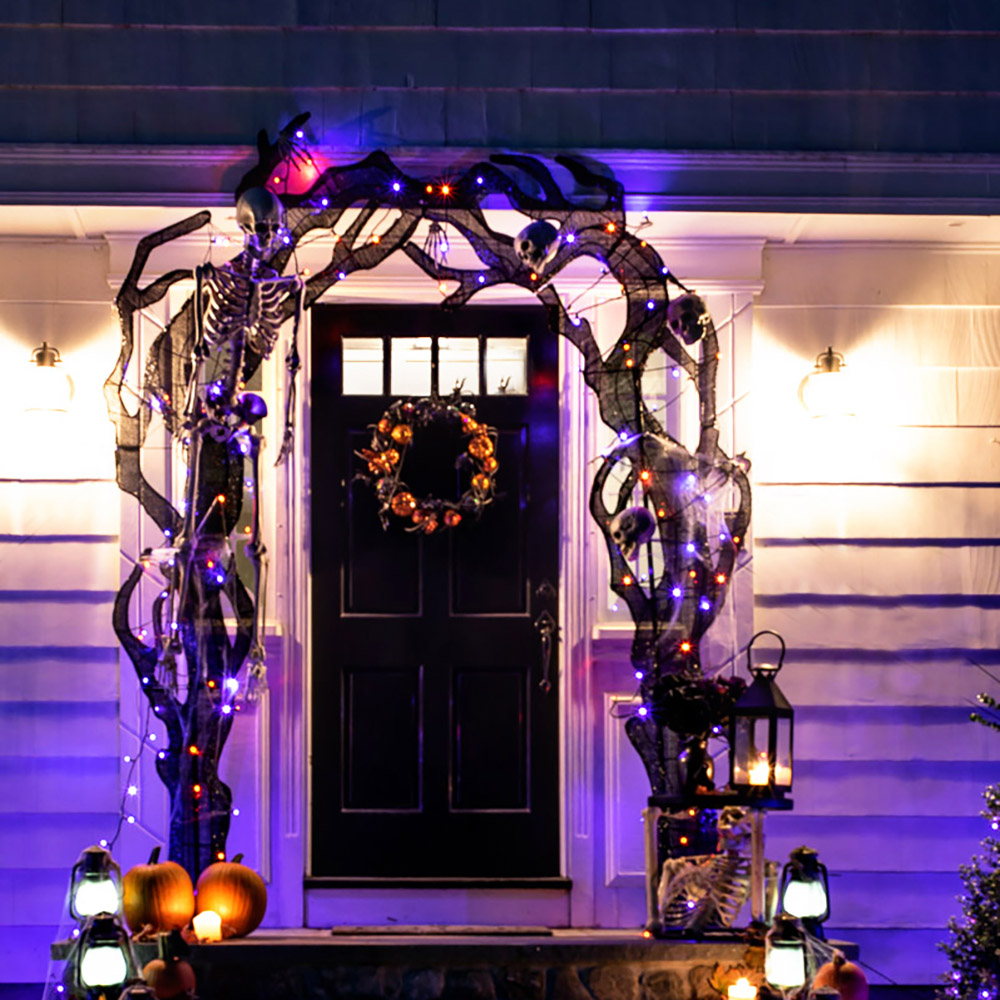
x: 708, y: 890
x: 537, y: 244
x: 688, y: 317
x: 239, y: 316
x: 631, y: 528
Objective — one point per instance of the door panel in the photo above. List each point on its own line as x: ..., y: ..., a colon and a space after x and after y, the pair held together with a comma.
x: 435, y: 751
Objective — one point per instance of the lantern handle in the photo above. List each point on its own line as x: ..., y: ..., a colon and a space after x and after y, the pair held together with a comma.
x: 781, y: 658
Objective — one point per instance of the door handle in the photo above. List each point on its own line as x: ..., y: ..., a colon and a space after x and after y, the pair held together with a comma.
x: 546, y: 626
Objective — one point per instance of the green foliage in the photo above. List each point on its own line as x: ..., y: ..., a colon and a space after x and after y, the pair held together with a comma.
x: 974, y: 948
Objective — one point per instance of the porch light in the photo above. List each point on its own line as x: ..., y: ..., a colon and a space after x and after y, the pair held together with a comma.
x: 805, y: 889
x: 48, y: 387
x: 785, y: 954
x: 760, y: 732
x: 95, y: 884
x: 104, y: 958
x: 826, y: 391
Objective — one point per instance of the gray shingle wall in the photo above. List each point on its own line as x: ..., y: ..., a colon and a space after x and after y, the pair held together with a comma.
x: 897, y: 76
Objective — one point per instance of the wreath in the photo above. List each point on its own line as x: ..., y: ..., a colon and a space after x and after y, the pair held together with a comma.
x: 392, y: 437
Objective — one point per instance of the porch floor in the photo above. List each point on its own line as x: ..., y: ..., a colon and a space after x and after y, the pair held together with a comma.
x: 568, y: 964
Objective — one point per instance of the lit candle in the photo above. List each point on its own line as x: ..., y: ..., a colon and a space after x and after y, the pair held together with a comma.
x: 742, y: 990
x: 207, y: 926
x: 760, y: 773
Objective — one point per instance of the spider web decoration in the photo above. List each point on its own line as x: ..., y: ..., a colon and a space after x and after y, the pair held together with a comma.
x: 671, y: 612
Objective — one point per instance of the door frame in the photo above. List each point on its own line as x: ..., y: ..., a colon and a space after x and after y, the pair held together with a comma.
x: 290, y: 905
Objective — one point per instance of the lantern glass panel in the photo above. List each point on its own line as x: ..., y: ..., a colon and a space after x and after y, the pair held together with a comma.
x: 783, y: 753
x: 785, y: 964
x: 103, y: 965
x: 805, y: 898
x: 97, y: 893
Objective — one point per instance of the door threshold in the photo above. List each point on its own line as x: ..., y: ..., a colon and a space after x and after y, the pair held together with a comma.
x: 365, y: 882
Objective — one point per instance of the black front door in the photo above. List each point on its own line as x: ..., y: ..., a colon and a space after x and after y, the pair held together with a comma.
x: 435, y: 746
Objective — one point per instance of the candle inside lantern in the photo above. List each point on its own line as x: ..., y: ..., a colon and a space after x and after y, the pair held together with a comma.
x: 760, y: 773
x: 742, y: 990
x: 207, y: 926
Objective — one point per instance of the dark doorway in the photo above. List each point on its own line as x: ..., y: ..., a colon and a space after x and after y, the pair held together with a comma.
x: 434, y: 747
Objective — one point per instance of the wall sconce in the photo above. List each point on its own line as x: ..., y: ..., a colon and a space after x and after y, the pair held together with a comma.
x: 805, y: 889
x: 48, y: 386
x: 826, y: 391
x: 103, y: 960
x: 760, y: 732
x: 785, y: 954
x: 95, y: 884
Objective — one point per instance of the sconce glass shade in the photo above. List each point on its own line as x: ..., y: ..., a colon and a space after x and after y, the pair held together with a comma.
x: 95, y: 884
x: 826, y: 392
x: 760, y: 732
x: 47, y: 386
x: 805, y: 889
x: 104, y: 958
x: 785, y: 954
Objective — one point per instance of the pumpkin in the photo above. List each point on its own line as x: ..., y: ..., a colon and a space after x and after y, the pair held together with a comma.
x: 845, y: 977
x: 236, y: 893
x: 169, y: 978
x: 158, y: 895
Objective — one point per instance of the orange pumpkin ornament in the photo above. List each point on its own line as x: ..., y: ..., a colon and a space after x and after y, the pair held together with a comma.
x: 403, y: 504
x: 480, y: 446
x: 402, y: 433
x: 847, y: 978
x: 490, y: 464
x: 157, y: 894
x: 235, y: 892
x: 481, y: 482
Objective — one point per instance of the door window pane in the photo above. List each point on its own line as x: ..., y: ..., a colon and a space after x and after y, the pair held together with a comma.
x: 458, y: 364
x: 362, y: 366
x: 411, y: 366
x: 507, y: 366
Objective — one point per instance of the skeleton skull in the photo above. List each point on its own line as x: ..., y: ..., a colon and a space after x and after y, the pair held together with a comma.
x: 537, y: 244
x: 259, y: 215
x: 688, y: 317
x: 631, y: 528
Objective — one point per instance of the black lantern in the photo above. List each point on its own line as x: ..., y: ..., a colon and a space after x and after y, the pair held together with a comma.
x: 805, y: 889
x: 103, y: 961
x: 95, y: 884
x: 760, y: 732
x: 785, y: 953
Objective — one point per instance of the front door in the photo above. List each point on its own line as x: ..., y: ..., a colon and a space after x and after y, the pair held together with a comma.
x: 435, y: 736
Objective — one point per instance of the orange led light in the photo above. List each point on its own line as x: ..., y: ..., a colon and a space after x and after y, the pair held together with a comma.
x: 736, y: 539
x: 644, y: 475
x: 692, y: 812
x: 211, y: 684
x: 693, y: 573
x: 627, y: 580
x: 610, y: 227
x: 194, y: 751
x: 220, y: 855
x: 647, y: 934
x: 376, y: 238
x: 626, y: 347
x: 277, y: 180
x: 629, y: 362
x: 446, y: 189
x: 661, y: 513
x: 534, y: 277
x: 429, y: 189
x: 683, y: 841
x: 221, y: 498
x: 196, y: 789
x: 642, y: 243
x: 685, y: 646
x: 720, y: 577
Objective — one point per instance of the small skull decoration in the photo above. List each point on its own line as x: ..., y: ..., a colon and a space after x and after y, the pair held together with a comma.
x: 631, y: 528
x: 688, y: 317
x: 537, y: 244
x: 259, y: 215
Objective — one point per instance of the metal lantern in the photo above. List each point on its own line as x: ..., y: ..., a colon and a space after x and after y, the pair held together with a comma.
x: 785, y: 953
x: 760, y: 732
x: 95, y: 884
x: 805, y: 889
x: 103, y: 960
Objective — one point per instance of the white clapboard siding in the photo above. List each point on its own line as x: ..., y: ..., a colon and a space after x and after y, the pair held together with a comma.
x: 59, y: 510
x: 877, y: 557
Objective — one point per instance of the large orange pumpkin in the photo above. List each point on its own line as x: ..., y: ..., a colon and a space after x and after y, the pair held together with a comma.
x: 236, y: 893
x: 158, y: 894
x: 845, y: 977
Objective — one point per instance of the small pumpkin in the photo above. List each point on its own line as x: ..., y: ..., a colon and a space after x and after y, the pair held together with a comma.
x: 169, y: 978
x: 845, y: 977
x: 235, y: 892
x: 158, y: 895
